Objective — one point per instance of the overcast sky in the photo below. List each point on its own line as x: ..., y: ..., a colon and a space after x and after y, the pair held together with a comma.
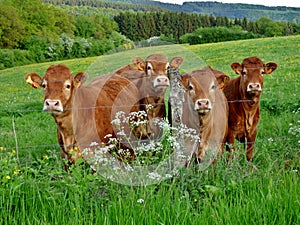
x: 293, y: 3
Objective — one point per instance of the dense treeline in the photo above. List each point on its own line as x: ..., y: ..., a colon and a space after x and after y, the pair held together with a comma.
x: 107, y: 5
x: 137, y: 26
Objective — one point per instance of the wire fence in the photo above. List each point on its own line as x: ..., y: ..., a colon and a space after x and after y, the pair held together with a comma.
x: 13, y: 107
x: 10, y: 113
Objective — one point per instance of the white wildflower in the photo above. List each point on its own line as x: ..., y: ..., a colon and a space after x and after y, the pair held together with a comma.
x: 154, y: 176
x: 140, y: 200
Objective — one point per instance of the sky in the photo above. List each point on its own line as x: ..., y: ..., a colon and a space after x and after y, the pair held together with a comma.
x: 292, y: 3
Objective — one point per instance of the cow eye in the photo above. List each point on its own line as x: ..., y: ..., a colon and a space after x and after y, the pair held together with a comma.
x: 44, y: 86
x: 191, y: 87
x: 68, y: 86
x: 213, y: 87
x: 244, y: 72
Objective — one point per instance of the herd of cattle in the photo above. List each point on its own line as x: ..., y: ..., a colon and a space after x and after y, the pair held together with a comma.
x: 220, y: 108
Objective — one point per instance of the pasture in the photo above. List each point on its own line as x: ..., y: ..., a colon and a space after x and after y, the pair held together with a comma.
x: 35, y: 189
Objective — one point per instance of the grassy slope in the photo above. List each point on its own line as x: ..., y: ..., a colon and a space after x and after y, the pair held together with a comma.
x: 232, y: 195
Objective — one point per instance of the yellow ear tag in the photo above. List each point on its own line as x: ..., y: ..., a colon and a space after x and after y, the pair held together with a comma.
x: 28, y: 80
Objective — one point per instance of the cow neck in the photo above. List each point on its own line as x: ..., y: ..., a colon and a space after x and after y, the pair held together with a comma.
x: 63, y: 118
x: 205, y: 122
x: 156, y: 103
x: 64, y: 121
x: 250, y: 108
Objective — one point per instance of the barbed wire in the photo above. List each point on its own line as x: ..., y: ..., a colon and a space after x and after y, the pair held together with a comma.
x: 134, y: 105
x: 50, y: 145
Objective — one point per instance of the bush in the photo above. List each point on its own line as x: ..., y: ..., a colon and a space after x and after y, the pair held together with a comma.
x: 99, y: 47
x: 216, y: 34
x: 38, y: 47
x: 15, y: 57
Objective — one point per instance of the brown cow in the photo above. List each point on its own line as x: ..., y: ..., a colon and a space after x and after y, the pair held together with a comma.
x: 83, y: 114
x: 243, y: 95
x: 205, y: 109
x: 151, y: 79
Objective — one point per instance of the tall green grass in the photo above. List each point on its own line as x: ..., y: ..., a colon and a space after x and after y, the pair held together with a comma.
x: 34, y: 188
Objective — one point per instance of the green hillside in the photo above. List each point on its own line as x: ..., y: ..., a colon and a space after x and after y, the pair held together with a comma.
x: 35, y: 189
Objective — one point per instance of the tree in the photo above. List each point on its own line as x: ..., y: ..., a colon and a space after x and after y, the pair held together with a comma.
x: 84, y: 27
x: 12, y: 29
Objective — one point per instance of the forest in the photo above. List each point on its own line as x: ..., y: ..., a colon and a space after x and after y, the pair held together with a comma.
x: 32, y: 31
x: 230, y: 10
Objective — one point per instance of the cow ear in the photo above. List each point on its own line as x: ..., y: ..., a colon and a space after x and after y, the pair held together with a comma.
x: 140, y: 63
x: 237, y: 68
x: 185, y: 80
x: 34, y: 80
x: 222, y: 79
x: 270, y: 67
x: 176, y: 62
x: 79, y: 79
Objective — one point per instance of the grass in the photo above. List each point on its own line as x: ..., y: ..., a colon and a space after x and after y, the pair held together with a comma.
x: 34, y: 188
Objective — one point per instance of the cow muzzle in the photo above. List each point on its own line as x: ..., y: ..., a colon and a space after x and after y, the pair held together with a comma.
x: 203, y: 106
x: 53, y: 106
x: 254, y: 88
x: 161, y: 82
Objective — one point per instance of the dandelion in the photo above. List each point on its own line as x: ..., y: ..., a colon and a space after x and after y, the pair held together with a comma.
x: 8, y: 177
x: 16, y: 172
x: 74, y: 209
x: 45, y: 157
x: 195, y: 200
x: 13, y: 152
x: 1, y: 148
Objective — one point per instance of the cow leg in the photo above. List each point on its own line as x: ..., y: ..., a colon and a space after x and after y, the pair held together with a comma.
x: 250, y: 145
x: 68, y: 150
x: 63, y: 154
x: 230, y: 144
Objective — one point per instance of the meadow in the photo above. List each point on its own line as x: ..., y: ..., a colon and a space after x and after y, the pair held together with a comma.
x: 35, y: 189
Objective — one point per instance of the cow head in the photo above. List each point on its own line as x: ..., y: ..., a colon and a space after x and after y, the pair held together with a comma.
x: 200, y: 85
x: 59, y: 85
x: 156, y: 66
x: 252, y: 71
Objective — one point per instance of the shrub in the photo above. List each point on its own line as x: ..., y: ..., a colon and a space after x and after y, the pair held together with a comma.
x: 216, y: 34
x: 15, y: 57
x: 38, y: 48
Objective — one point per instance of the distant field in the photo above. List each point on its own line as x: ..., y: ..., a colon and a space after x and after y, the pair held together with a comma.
x: 42, y: 193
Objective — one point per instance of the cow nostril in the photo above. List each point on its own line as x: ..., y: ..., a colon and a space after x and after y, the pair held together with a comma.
x: 203, y: 102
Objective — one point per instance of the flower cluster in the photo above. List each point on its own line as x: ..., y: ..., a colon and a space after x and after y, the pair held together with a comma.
x: 295, y: 130
x: 154, y: 159
x: 9, y: 165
